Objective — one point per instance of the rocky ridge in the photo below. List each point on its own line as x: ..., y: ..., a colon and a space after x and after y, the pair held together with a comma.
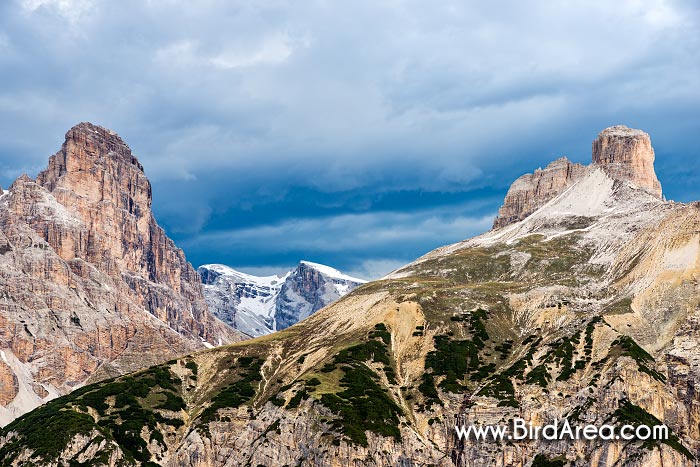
x: 586, y: 310
x: 529, y: 192
x: 260, y: 305
x: 623, y: 153
x: 91, y: 285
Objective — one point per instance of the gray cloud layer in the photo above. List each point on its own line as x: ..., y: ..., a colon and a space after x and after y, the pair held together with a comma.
x: 233, y: 106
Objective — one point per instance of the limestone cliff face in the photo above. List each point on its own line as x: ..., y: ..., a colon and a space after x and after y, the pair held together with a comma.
x: 623, y: 153
x: 626, y: 154
x: 531, y: 191
x: 91, y: 285
x: 96, y: 176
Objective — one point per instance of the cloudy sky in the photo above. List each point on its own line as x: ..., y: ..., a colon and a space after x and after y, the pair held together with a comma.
x: 358, y: 134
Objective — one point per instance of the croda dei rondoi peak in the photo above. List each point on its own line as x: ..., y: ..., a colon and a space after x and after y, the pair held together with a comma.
x: 91, y: 286
x: 581, y: 304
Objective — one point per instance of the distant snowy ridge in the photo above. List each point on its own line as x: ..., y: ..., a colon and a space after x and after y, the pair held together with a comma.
x: 332, y: 272
x: 259, y: 305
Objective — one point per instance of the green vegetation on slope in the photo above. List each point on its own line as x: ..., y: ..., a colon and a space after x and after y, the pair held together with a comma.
x: 238, y: 392
x: 630, y: 414
x: 542, y: 461
x: 361, y: 403
x: 500, y: 385
x: 453, y: 360
x: 631, y: 349
x: 123, y: 408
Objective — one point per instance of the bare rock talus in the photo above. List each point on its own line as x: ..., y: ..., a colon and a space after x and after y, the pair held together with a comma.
x: 531, y: 191
x: 626, y: 154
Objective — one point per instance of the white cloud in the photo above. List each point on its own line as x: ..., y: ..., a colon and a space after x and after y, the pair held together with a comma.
x: 72, y: 10
x: 274, y: 50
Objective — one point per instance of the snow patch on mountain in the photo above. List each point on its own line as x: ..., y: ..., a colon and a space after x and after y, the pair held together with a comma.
x: 331, y: 272
x: 259, y: 305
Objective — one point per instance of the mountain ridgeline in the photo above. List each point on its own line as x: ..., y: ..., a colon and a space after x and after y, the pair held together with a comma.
x: 582, y: 303
x: 258, y: 305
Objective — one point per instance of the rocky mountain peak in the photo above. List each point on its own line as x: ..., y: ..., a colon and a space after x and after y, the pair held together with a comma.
x: 258, y: 305
x: 21, y: 180
x: 626, y: 154
x: 622, y: 153
x: 92, y: 286
x: 98, y: 166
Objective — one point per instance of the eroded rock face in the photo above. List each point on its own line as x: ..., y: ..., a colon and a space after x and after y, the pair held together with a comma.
x: 622, y: 153
x: 626, y: 154
x: 91, y: 285
x: 531, y: 191
x: 309, y: 288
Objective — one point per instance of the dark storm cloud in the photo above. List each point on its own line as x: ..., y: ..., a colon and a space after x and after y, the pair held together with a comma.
x: 349, y: 119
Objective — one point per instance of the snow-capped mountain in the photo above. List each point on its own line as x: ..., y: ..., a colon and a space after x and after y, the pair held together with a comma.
x: 259, y: 305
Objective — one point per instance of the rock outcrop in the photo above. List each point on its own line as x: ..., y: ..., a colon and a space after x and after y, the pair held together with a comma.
x: 91, y: 285
x: 626, y: 154
x: 531, y: 191
x: 623, y: 153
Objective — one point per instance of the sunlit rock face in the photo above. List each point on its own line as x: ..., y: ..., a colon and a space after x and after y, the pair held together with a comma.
x: 626, y: 154
x: 623, y: 153
x: 531, y: 191
x: 91, y: 285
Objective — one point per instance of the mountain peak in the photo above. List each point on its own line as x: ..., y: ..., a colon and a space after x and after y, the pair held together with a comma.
x: 24, y: 178
x: 622, y: 130
x: 91, y: 277
x: 92, y: 157
x: 626, y: 154
x: 622, y: 153
x: 258, y: 305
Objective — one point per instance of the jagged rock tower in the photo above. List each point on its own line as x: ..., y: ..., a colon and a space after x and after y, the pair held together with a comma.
x: 626, y: 154
x: 91, y: 286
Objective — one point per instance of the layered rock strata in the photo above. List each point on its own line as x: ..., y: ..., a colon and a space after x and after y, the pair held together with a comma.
x: 626, y: 154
